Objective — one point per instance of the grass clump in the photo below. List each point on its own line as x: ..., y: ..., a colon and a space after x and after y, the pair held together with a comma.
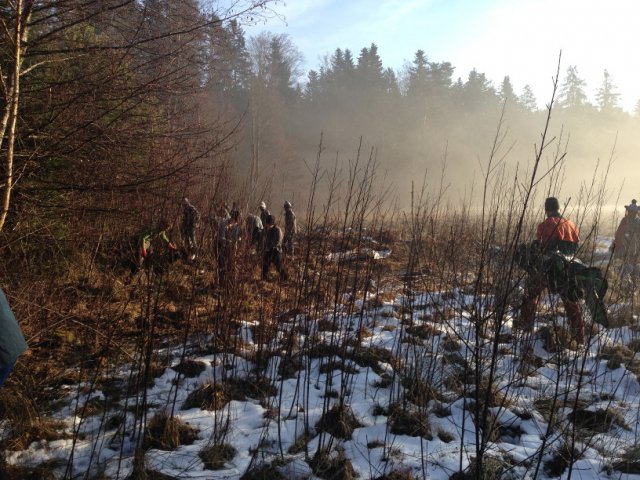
x: 190, y: 368
x: 446, y: 437
x: 560, y: 460
x: 263, y: 472
x: 167, y: 433
x: 598, y: 421
x: 420, y: 391
x: 491, y: 469
x: 209, y: 396
x: 43, y: 471
x: 556, y: 338
x: 213, y: 396
x: 332, y: 467
x: 425, y: 332
x: 300, y: 444
x: 214, y: 457
x: 629, y: 462
x: 339, y: 421
x: 408, y: 421
x: 372, y: 356
x: 338, y: 365
x: 398, y: 475
x: 25, y: 431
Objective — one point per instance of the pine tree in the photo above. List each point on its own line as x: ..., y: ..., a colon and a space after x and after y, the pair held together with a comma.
x: 528, y: 99
x: 440, y: 75
x: 506, y: 92
x: 477, y: 91
x: 370, y: 68
x: 606, y: 96
x: 417, y: 75
x: 572, y: 93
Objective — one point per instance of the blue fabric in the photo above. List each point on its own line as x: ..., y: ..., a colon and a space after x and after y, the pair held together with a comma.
x: 12, y: 343
x: 4, y: 373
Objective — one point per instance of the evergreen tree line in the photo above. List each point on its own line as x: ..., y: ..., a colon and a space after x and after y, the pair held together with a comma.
x: 413, y: 118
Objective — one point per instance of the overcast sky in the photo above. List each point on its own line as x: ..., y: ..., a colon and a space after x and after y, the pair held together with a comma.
x: 519, y: 38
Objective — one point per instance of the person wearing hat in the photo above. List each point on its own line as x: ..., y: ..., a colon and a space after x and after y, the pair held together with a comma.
x: 264, y: 213
x: 290, y: 228
x: 554, y: 234
x: 272, y: 249
x: 626, y: 243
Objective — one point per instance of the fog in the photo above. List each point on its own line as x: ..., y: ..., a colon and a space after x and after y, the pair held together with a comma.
x: 423, y: 120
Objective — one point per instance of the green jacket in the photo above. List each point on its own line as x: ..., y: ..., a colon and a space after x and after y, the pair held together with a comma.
x: 155, y: 241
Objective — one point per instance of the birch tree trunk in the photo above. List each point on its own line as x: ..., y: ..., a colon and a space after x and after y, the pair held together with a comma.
x: 10, y: 115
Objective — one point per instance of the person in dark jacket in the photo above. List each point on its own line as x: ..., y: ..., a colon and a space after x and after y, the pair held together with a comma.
x: 555, y: 234
x: 189, y: 225
x: 272, y: 249
x: 12, y: 343
x: 290, y: 228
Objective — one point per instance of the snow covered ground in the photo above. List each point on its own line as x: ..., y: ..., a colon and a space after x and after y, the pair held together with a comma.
x: 411, y: 358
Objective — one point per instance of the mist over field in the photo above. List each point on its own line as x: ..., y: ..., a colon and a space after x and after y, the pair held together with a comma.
x: 423, y: 117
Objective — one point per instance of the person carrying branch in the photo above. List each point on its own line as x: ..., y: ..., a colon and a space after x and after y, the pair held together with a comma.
x: 555, y: 234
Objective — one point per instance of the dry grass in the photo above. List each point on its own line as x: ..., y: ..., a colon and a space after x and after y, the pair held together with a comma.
x: 190, y: 368
x: 407, y: 420
x: 332, y: 467
x: 167, y: 433
x: 338, y: 421
x: 214, y: 457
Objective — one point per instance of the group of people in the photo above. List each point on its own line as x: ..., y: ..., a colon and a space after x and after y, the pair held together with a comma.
x: 261, y: 230
x: 555, y: 234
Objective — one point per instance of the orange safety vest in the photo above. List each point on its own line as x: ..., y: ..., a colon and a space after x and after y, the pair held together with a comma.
x: 556, y: 229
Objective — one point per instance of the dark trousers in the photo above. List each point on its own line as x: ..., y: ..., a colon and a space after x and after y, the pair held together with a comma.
x: 226, y: 262
x: 287, y: 244
x: 275, y: 257
x: 5, y: 370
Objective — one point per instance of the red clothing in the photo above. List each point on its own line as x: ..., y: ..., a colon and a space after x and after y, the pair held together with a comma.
x: 534, y: 289
x: 627, y: 239
x: 555, y: 231
x: 622, y: 228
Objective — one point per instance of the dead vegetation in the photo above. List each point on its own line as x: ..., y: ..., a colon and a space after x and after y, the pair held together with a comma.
x: 167, y: 433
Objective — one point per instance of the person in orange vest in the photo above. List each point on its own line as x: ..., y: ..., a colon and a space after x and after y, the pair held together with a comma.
x: 555, y: 234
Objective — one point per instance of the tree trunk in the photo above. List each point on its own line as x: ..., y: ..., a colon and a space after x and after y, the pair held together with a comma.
x: 10, y: 116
